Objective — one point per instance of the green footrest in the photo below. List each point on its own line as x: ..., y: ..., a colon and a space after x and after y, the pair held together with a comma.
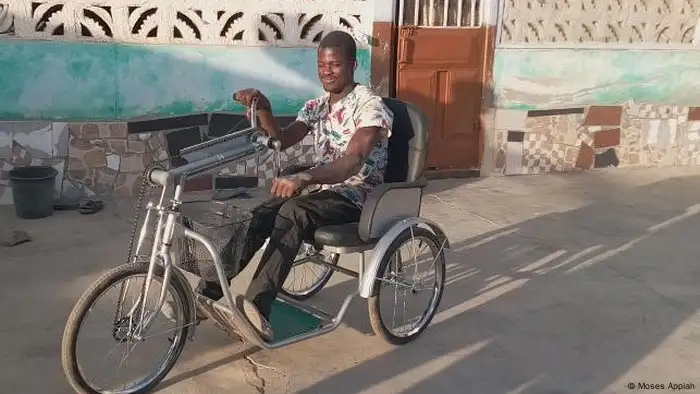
x: 288, y: 321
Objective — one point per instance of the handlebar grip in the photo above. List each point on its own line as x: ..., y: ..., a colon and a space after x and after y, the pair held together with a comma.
x: 275, y: 144
x: 254, y: 113
x: 269, y: 142
x: 159, y: 176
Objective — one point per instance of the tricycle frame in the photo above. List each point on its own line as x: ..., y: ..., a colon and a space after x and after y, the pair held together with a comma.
x: 168, y: 228
x: 379, y: 235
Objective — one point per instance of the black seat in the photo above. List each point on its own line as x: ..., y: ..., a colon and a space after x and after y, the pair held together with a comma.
x: 408, y: 148
x: 346, y: 235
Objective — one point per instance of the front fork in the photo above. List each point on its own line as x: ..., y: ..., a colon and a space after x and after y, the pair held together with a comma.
x: 160, y: 253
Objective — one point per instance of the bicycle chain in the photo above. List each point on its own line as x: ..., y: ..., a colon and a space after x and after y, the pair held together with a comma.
x: 145, y: 183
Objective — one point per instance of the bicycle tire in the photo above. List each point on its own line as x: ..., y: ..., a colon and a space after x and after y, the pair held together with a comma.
x: 75, y: 319
x: 316, y: 287
x: 375, y: 317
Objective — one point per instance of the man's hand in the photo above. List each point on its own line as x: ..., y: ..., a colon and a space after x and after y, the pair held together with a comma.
x: 266, y: 121
x: 246, y: 97
x: 288, y: 186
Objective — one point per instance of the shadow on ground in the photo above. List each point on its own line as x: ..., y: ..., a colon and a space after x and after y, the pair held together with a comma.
x: 575, y: 300
x: 564, y: 303
x: 578, y: 301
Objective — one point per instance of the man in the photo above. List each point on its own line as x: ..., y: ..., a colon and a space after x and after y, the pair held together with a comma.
x: 350, y: 126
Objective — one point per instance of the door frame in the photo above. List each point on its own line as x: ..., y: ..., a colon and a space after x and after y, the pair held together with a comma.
x: 491, y: 12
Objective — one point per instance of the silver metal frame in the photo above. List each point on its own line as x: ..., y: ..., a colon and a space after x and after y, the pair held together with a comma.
x: 368, y: 280
x: 168, y: 228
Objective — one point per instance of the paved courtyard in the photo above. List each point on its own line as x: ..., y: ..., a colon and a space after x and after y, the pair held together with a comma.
x: 577, y: 283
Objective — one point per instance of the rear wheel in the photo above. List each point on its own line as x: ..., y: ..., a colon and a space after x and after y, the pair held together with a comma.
x: 399, y: 282
x: 122, y: 326
x: 308, y: 276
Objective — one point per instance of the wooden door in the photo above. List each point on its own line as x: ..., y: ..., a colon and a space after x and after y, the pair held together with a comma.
x: 440, y: 70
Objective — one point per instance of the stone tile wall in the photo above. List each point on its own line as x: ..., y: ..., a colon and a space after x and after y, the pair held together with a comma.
x: 91, y: 158
x: 103, y: 159
x: 574, y: 139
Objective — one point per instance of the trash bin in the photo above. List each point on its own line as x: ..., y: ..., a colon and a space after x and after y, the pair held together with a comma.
x: 33, y: 191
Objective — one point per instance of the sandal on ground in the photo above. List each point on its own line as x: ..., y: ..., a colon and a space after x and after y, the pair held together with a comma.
x: 66, y: 204
x: 255, y: 318
x: 90, y: 206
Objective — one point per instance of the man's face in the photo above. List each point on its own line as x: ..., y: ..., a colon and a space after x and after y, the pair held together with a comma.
x: 334, y: 70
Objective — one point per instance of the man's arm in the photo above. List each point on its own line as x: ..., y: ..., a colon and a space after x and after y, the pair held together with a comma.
x: 351, y: 162
x: 292, y: 134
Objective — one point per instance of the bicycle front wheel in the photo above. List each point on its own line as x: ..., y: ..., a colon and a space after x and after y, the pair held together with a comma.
x: 121, y: 326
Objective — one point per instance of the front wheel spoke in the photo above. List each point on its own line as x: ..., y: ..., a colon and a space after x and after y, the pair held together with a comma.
x: 102, y: 365
x: 404, y: 309
x: 115, y: 370
x: 168, y: 331
x: 127, y: 352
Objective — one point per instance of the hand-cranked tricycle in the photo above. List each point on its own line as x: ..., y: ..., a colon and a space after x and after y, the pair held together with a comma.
x: 390, y: 222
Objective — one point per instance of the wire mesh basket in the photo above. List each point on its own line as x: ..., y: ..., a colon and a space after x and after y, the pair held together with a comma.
x: 226, y: 229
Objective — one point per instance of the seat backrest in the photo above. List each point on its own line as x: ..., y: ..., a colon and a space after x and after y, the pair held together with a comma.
x: 408, y: 149
x: 408, y: 145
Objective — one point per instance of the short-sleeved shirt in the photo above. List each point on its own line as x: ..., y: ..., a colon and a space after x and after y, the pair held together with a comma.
x: 333, y: 127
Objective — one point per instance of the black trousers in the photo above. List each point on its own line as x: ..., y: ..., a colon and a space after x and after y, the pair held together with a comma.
x: 287, y: 222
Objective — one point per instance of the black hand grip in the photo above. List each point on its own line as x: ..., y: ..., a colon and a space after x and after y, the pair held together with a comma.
x: 275, y: 144
x: 268, y: 142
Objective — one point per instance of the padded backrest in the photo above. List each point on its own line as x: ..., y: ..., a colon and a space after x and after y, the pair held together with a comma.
x: 408, y: 145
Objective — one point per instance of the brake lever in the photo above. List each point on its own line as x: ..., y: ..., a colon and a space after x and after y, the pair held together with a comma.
x: 277, y: 163
x: 254, y: 113
x: 273, y: 143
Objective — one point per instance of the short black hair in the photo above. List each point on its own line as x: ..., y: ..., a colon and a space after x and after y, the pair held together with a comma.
x: 342, y: 41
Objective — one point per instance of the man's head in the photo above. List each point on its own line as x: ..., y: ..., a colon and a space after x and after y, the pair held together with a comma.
x: 336, y: 61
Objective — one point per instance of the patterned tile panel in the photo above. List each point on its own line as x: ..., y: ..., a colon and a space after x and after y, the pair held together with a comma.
x: 631, y: 135
x: 603, y: 116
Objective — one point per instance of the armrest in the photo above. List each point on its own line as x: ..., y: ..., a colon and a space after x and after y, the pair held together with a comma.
x: 295, y: 168
x: 387, y: 203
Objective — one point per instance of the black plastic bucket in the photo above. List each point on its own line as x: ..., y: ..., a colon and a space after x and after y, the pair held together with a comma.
x: 33, y: 191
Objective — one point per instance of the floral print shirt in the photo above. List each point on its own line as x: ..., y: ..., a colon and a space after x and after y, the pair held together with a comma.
x: 333, y: 126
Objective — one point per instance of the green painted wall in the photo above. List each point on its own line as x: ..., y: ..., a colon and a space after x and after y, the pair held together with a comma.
x: 558, y: 78
x: 92, y: 81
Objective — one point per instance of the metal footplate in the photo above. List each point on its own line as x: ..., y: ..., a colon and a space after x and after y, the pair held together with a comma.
x: 291, y: 321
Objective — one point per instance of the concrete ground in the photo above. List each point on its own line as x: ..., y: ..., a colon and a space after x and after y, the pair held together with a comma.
x: 580, y: 283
